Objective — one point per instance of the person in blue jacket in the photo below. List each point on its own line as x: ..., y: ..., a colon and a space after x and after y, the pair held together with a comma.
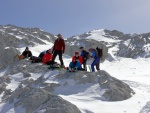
x: 96, y: 61
x: 85, y: 57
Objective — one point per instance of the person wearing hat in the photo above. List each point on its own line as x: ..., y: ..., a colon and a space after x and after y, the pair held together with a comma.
x: 96, y: 61
x: 58, y: 49
x: 27, y: 53
x: 85, y: 56
x: 76, y: 62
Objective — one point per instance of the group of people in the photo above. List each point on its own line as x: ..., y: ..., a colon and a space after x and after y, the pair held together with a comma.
x: 79, y: 58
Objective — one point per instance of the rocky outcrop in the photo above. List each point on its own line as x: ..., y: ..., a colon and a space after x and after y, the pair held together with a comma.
x: 8, y: 56
x: 115, y: 90
x: 138, y: 46
x: 39, y: 99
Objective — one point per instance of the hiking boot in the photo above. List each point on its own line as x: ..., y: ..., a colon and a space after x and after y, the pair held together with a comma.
x: 76, y: 68
x: 73, y: 69
x: 69, y: 69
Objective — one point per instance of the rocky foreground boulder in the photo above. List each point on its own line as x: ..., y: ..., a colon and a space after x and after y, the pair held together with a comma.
x: 113, y: 89
x: 33, y: 99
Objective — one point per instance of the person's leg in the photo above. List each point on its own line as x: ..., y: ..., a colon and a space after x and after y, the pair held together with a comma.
x: 50, y: 62
x: 98, y: 63
x: 60, y: 58
x: 71, y: 65
x: 54, y: 56
x: 92, y: 67
x: 94, y: 63
x: 78, y: 65
x: 84, y: 64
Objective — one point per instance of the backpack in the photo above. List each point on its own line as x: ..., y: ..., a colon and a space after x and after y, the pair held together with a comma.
x: 20, y: 57
x: 87, y: 55
x: 99, y: 52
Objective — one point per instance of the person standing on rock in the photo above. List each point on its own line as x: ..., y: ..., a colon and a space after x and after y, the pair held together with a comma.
x: 96, y: 61
x: 84, y: 55
x: 58, y: 49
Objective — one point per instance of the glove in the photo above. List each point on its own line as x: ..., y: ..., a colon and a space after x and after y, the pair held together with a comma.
x: 77, y: 60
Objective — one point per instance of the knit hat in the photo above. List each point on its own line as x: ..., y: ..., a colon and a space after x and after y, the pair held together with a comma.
x: 76, y: 53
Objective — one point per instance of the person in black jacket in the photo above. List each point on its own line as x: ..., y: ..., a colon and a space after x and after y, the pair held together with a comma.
x: 84, y: 55
x: 27, y: 53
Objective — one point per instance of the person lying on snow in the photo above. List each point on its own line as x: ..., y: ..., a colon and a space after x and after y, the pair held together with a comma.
x: 27, y: 53
x: 76, y: 62
x: 35, y: 59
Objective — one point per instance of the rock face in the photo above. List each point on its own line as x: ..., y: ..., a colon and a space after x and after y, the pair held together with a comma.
x: 135, y: 47
x: 8, y: 56
x: 115, y: 90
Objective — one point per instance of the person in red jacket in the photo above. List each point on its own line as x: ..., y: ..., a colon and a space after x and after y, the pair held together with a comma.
x: 59, y: 49
x: 76, y: 62
x: 47, y: 57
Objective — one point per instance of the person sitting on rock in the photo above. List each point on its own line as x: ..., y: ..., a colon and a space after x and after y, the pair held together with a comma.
x: 27, y: 53
x: 76, y: 62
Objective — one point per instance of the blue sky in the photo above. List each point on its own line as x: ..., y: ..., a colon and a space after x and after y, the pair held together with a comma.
x: 72, y: 17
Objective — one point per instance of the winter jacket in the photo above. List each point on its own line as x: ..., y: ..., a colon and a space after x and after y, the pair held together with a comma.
x: 59, y: 44
x: 84, y: 55
x: 42, y: 54
x: 74, y: 58
x: 47, y: 57
x: 94, y: 53
x: 27, y: 54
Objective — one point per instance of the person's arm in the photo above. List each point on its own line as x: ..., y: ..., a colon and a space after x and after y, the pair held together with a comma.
x: 80, y: 60
x: 24, y: 53
x: 54, y: 47
x: 73, y: 59
x: 30, y: 54
x: 63, y: 46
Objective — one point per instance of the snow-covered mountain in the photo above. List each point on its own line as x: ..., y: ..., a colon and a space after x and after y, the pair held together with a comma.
x: 121, y: 86
x: 18, y: 37
x: 123, y: 45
